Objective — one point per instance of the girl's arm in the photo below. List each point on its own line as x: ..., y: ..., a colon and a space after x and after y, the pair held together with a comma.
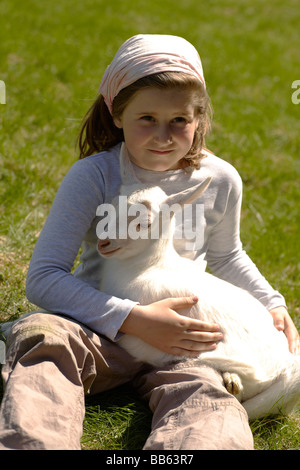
x: 227, y: 260
x: 50, y: 284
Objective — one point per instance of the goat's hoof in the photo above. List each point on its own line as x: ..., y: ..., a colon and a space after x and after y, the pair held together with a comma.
x: 233, y: 384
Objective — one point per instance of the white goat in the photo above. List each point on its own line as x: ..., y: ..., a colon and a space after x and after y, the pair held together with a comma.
x: 253, y: 356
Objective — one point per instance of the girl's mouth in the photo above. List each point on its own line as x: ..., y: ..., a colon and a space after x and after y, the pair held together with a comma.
x: 161, y: 152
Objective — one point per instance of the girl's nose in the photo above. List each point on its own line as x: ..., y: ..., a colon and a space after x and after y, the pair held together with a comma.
x: 163, y: 134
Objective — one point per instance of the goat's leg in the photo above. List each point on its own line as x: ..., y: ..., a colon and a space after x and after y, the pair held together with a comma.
x: 233, y: 384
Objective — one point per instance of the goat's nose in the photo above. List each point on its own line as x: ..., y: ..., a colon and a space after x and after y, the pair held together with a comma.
x: 103, y: 243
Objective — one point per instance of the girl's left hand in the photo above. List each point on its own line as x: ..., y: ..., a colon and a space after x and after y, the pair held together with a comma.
x: 283, y: 322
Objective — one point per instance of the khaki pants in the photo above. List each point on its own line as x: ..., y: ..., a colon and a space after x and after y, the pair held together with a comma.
x: 53, y: 361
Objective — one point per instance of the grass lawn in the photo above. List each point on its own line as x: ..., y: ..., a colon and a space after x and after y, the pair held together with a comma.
x: 52, y: 57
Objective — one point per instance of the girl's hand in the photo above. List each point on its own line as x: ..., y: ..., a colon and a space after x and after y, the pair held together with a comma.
x: 283, y: 322
x: 160, y: 325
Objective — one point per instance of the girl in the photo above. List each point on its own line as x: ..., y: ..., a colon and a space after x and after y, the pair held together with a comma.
x: 152, y: 97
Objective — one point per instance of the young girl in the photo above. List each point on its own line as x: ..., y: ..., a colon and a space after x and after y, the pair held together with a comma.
x: 152, y: 97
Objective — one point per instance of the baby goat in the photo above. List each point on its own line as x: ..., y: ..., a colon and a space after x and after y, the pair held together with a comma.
x: 253, y: 356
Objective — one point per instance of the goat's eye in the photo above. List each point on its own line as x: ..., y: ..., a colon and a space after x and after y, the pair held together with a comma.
x: 142, y: 226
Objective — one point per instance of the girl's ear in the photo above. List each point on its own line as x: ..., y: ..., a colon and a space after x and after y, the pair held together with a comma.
x: 118, y: 122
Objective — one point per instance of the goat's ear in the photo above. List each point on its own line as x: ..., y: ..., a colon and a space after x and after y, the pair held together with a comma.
x: 126, y: 169
x: 189, y: 195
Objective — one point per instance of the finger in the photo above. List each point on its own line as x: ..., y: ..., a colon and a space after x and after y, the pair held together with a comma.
x: 193, y: 324
x: 293, y: 340
x: 196, y: 326
x: 279, y: 323
x: 279, y: 315
x: 197, y: 347
x: 202, y: 336
x: 193, y: 353
x: 182, y: 302
x: 295, y: 347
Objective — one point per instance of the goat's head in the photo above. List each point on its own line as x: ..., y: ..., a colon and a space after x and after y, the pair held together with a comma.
x: 139, y: 217
x: 135, y: 218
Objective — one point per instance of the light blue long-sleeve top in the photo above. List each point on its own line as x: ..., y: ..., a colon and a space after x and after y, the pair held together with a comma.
x: 72, y: 223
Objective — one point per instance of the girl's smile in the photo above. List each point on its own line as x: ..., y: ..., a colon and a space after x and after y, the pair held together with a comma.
x: 159, y: 127
x: 161, y: 152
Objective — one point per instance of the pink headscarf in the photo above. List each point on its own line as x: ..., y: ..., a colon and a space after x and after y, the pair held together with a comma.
x: 147, y: 54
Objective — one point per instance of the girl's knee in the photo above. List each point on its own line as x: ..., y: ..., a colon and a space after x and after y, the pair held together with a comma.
x: 37, y: 331
x: 33, y: 323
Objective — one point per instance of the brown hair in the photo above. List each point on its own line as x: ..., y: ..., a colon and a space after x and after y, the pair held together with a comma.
x: 99, y: 133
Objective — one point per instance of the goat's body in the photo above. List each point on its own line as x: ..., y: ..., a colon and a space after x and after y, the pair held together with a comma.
x: 149, y: 270
x: 252, y: 347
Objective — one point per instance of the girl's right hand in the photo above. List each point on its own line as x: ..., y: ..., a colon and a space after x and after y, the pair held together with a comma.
x: 160, y: 325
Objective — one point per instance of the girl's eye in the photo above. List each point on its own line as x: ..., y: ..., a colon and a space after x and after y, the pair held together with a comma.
x: 180, y: 120
x: 147, y: 118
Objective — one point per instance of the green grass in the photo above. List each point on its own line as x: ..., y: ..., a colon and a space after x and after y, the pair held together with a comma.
x: 117, y: 420
x: 52, y: 57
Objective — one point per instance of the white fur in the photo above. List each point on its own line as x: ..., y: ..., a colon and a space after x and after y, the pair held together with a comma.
x: 253, y: 353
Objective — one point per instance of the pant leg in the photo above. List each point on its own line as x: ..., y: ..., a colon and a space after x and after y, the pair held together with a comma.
x: 51, y: 363
x: 192, y: 410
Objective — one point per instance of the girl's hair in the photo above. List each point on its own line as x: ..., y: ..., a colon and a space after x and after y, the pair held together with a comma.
x: 99, y: 133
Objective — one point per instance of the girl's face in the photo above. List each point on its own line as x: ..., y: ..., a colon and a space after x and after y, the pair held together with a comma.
x: 159, y: 127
